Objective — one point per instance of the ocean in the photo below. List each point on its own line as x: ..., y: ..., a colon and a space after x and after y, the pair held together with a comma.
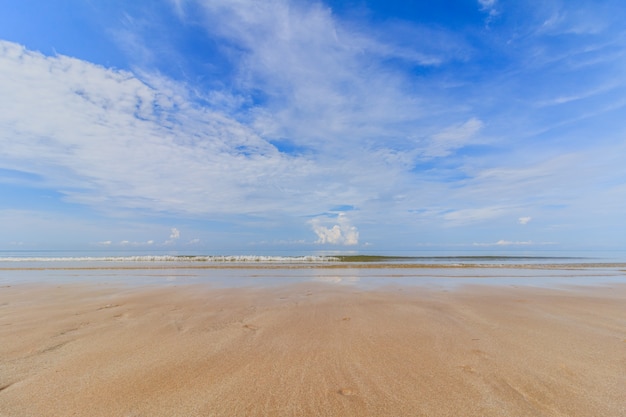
x: 427, y: 268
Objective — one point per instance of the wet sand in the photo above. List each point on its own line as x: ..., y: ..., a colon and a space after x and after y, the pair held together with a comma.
x: 311, y: 349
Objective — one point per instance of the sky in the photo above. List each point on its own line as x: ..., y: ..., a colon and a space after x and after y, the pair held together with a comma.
x: 357, y: 125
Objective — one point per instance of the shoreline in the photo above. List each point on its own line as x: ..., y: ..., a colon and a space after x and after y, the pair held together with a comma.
x: 342, y: 265
x: 311, y: 348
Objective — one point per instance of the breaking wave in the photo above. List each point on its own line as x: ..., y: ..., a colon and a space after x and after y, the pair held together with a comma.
x: 180, y: 259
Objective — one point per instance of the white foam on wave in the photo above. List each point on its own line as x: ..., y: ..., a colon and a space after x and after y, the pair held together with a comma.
x: 174, y: 258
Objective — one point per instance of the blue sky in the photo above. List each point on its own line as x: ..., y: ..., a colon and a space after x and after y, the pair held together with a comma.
x: 246, y: 125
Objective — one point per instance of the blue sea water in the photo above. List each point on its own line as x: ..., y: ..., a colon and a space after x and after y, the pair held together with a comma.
x: 438, y: 269
x: 423, y: 256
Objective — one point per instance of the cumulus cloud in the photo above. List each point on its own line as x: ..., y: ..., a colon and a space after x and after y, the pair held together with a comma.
x: 175, y: 233
x: 340, y: 233
x: 524, y: 220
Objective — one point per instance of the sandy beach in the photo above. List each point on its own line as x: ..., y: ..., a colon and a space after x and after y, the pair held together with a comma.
x: 311, y: 349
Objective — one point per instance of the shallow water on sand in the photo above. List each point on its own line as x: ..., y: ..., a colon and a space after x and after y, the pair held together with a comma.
x: 358, y: 275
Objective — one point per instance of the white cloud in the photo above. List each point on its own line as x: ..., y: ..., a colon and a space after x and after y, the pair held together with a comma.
x: 341, y: 233
x: 591, y: 20
x: 489, y: 7
x: 509, y: 243
x: 487, y: 4
x: 524, y: 220
x: 175, y: 233
x: 326, y: 79
x: 118, y: 141
x: 580, y: 95
x: 107, y: 139
x: 473, y: 215
x: 49, y: 229
x: 504, y: 242
x: 453, y: 137
x: 139, y: 244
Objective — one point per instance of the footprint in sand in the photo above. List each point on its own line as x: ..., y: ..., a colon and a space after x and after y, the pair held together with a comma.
x: 479, y: 352
x: 108, y: 306
x: 3, y: 387
x: 346, y: 392
x: 468, y: 369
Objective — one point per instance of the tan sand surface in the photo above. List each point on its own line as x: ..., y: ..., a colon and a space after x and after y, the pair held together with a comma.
x: 311, y: 350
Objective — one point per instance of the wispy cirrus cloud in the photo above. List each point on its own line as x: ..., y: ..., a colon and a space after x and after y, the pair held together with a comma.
x: 490, y: 8
x: 452, y: 138
x: 325, y: 82
x: 86, y: 119
x: 296, y: 110
x: 473, y: 215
